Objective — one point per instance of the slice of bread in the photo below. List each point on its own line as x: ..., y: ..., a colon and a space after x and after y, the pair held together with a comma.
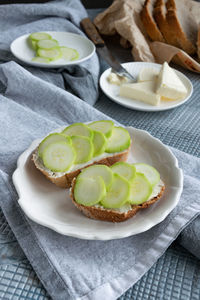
x: 100, y: 213
x: 149, y: 22
x: 159, y: 13
x: 182, y: 23
x: 64, y: 180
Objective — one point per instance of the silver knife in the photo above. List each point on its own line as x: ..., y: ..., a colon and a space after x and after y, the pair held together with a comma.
x: 93, y: 34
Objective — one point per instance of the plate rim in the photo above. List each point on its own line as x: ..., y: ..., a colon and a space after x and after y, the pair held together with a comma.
x: 44, y: 65
x: 148, y: 108
x: 22, y: 159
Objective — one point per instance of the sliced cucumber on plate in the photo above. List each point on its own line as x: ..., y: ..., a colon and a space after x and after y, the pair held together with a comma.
x: 99, y: 142
x: 104, y: 126
x: 83, y: 147
x: 58, y: 156
x: 98, y: 170
x: 124, y: 169
x: 52, y: 138
x: 89, y: 191
x: 118, y: 193
x: 51, y: 54
x: 37, y: 36
x: 119, y: 140
x: 69, y: 53
x: 78, y: 129
x: 140, y: 190
x: 47, y: 44
x: 150, y: 172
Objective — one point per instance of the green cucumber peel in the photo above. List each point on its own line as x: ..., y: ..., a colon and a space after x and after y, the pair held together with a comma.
x: 150, y: 172
x: 104, y: 126
x: 89, y: 191
x: 52, y: 138
x: 78, y: 129
x: 125, y: 170
x: 140, y: 190
x: 120, y: 140
x: 58, y: 156
x: 118, y: 193
x: 98, y: 170
x: 83, y: 147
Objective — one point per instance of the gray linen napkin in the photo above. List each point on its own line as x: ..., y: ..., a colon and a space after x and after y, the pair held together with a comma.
x: 62, y: 15
x: 71, y: 268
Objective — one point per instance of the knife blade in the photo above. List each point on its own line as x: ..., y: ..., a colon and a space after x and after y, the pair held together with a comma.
x: 102, y: 49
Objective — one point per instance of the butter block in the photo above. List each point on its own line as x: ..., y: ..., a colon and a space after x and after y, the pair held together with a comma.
x: 169, y: 85
x: 148, y: 74
x: 142, y: 91
x: 113, y: 78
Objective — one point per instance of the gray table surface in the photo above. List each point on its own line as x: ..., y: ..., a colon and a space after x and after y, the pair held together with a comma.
x: 176, y: 275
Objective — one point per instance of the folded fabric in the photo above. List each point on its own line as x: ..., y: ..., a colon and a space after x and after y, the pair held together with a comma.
x: 71, y: 268
x: 62, y: 15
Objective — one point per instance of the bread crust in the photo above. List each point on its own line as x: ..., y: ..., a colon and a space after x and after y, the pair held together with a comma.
x: 149, y: 23
x: 175, y: 25
x: 64, y: 181
x: 198, y: 43
x: 110, y: 215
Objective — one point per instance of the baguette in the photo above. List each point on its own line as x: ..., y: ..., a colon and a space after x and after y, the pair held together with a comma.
x: 181, y: 22
x: 64, y: 180
x: 111, y: 215
x: 149, y: 23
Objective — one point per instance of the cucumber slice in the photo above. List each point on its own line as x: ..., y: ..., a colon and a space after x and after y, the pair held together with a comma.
x: 99, y: 143
x: 89, y: 191
x: 103, y: 126
x: 98, y: 170
x: 150, y: 172
x: 141, y: 189
x: 78, y: 129
x: 119, y: 140
x: 52, y: 138
x: 47, y: 44
x: 83, y: 147
x: 41, y: 60
x: 52, y: 54
x: 58, y: 156
x: 69, y: 53
x: 37, y: 36
x: 124, y: 169
x: 33, y: 44
x: 118, y: 193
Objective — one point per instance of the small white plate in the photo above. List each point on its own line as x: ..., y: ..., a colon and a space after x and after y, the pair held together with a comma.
x: 50, y: 206
x: 112, y: 90
x: 21, y: 49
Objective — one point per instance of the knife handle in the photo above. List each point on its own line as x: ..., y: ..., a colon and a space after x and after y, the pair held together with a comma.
x: 92, y: 32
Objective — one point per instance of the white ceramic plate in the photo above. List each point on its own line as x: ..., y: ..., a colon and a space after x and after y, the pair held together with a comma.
x: 112, y: 91
x: 21, y: 49
x: 48, y: 205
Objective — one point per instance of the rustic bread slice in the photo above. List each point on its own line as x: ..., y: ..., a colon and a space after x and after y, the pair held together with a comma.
x: 183, y: 24
x: 159, y: 13
x: 149, y: 22
x: 100, y: 213
x: 64, y: 180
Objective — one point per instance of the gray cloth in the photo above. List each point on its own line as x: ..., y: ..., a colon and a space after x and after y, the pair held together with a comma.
x: 62, y: 15
x: 71, y: 268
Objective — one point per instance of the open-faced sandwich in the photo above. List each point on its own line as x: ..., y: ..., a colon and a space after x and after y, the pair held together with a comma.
x: 118, y: 192
x: 61, y: 156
